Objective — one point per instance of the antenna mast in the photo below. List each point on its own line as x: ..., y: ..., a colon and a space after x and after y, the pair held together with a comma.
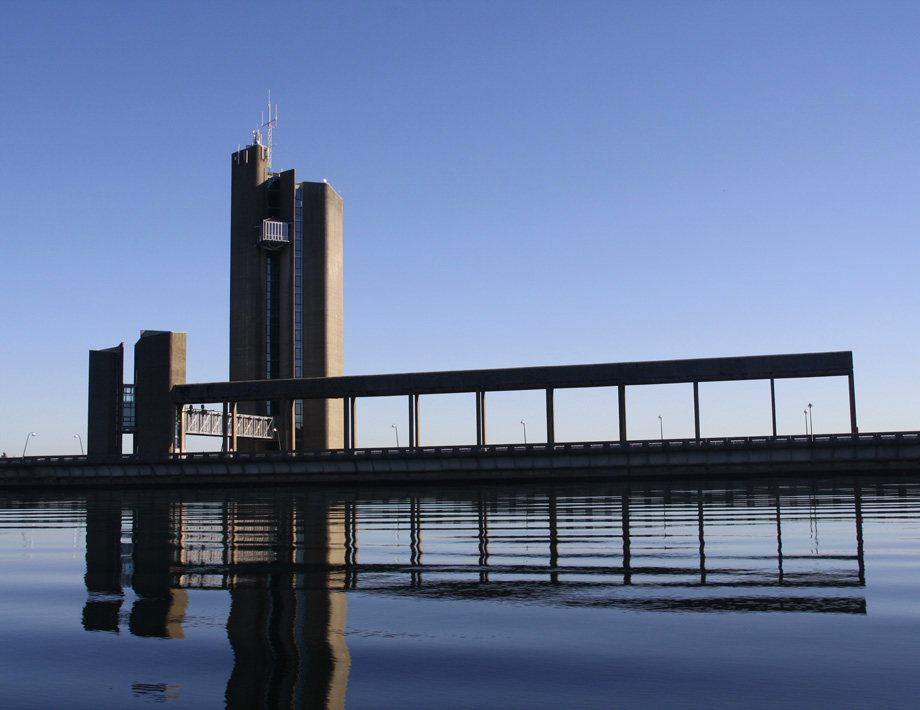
x: 269, y: 125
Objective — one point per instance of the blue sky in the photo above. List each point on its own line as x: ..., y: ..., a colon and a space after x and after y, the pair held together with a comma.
x: 525, y: 183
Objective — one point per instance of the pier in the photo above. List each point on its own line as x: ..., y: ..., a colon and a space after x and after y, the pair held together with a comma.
x: 756, y: 457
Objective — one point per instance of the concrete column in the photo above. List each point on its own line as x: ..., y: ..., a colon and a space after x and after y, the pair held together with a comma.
x: 287, y: 435
x: 233, y: 415
x: 550, y: 417
x: 479, y: 419
x: 159, y: 364
x: 696, y: 408
x: 621, y: 397
x: 853, y: 428
x: 773, y: 402
x: 346, y: 424
x: 180, y: 428
x: 485, y: 438
x: 353, y: 405
x: 224, y: 431
x: 418, y: 422
x: 411, y: 423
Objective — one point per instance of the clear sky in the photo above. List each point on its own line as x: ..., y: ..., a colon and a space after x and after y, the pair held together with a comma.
x: 525, y: 183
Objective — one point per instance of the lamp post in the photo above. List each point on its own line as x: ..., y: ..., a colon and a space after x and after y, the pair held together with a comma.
x: 275, y: 435
x: 77, y: 436
x: 811, y: 422
x: 31, y: 434
x: 661, y: 427
x: 524, y: 425
x: 396, y: 429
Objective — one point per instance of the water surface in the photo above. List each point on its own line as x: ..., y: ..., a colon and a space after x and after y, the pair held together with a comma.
x: 665, y: 594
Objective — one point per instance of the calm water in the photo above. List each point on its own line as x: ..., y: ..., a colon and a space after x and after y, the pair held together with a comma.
x: 795, y: 594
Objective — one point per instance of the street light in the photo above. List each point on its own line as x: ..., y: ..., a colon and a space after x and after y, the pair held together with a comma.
x: 811, y: 422
x: 661, y: 427
x: 275, y: 434
x: 77, y: 436
x: 396, y: 429
x: 31, y: 434
x: 524, y: 424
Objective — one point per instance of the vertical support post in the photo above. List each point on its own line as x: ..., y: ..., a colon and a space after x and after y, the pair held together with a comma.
x: 223, y: 428
x: 411, y: 422
x: 180, y: 423
x: 346, y: 424
x: 621, y: 397
x: 853, y: 428
x: 550, y: 417
x: 418, y: 421
x: 233, y: 423
x: 478, y: 418
x: 353, y: 405
x: 485, y: 438
x: 696, y: 408
x: 287, y: 422
x: 773, y: 402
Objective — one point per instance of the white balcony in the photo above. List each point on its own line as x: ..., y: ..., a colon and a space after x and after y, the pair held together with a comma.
x: 274, y: 235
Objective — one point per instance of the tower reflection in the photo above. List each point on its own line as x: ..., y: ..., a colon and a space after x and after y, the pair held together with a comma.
x: 287, y: 559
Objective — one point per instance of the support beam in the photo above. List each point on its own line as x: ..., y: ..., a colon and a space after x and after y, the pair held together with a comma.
x: 480, y: 418
x: 353, y: 405
x: 180, y: 434
x: 346, y: 425
x: 224, y: 433
x: 696, y: 408
x: 418, y: 421
x: 233, y: 415
x: 411, y: 422
x: 550, y: 417
x: 853, y: 428
x: 485, y: 438
x: 621, y: 397
x: 773, y: 402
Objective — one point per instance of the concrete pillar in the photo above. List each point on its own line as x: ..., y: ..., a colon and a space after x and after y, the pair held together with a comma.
x: 479, y: 419
x: 411, y: 423
x: 696, y: 408
x: 853, y: 428
x: 773, y: 402
x: 482, y: 406
x: 233, y: 423
x: 346, y: 424
x: 550, y: 417
x: 353, y: 405
x: 181, y: 426
x: 224, y: 428
x: 621, y: 397
x: 418, y: 421
x: 159, y: 364
x: 106, y: 393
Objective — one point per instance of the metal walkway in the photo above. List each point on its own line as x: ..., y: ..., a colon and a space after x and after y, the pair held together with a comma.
x: 210, y: 422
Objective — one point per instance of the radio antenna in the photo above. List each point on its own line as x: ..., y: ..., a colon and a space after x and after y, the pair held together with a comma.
x: 268, y: 126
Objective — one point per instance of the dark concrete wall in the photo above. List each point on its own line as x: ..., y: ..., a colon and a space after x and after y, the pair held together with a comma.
x: 247, y: 264
x: 159, y: 364
x: 103, y: 417
x: 323, y: 311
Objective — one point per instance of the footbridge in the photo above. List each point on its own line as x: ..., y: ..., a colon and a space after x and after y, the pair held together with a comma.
x: 413, y: 386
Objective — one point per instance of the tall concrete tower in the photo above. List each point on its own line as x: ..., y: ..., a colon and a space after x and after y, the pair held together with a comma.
x: 286, y: 299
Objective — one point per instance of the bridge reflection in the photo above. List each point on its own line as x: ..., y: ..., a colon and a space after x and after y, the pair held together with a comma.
x: 289, y: 558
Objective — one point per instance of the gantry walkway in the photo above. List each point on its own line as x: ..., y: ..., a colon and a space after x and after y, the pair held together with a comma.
x: 414, y: 385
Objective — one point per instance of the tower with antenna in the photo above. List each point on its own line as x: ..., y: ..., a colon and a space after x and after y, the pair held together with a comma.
x: 286, y: 289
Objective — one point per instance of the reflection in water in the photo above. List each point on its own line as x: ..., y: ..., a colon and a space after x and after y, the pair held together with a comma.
x: 287, y: 559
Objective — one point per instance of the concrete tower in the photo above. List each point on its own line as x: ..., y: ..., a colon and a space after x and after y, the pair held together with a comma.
x: 286, y: 300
